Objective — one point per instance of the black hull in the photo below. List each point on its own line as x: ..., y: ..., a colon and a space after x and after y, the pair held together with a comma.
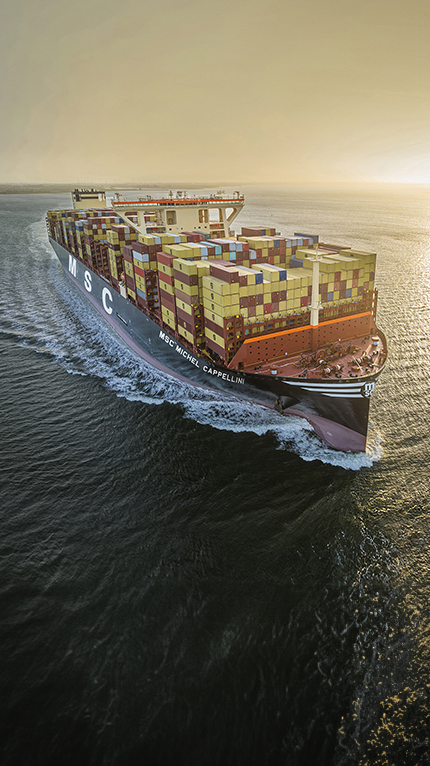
x: 338, y: 410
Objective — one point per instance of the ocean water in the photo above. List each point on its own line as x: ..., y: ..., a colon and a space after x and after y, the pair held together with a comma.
x: 190, y: 580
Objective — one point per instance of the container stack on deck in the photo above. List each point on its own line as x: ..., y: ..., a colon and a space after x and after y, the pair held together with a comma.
x: 188, y: 277
x: 216, y: 293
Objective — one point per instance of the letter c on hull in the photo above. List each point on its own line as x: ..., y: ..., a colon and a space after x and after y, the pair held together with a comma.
x: 106, y: 294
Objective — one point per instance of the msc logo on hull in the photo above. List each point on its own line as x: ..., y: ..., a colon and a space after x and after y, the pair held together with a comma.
x: 368, y: 390
x: 88, y: 284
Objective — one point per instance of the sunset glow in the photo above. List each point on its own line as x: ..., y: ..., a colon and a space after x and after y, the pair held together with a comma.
x: 189, y: 91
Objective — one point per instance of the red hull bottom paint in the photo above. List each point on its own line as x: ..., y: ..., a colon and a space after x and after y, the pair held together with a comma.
x: 333, y: 433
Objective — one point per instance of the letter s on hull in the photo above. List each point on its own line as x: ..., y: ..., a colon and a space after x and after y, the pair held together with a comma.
x: 87, y: 281
x: 106, y: 294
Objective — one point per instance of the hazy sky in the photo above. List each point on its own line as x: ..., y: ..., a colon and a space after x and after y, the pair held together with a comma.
x: 208, y: 90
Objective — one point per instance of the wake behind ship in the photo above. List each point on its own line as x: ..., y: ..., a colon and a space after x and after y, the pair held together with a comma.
x: 287, y: 321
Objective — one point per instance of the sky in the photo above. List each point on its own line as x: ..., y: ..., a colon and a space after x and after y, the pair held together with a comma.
x: 237, y: 91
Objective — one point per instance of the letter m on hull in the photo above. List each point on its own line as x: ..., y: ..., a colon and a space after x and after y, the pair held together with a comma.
x: 72, y: 266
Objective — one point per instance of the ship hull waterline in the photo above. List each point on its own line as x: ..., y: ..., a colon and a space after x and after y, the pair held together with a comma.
x: 337, y: 410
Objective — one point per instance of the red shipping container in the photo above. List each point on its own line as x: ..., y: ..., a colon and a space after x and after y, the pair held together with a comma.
x: 214, y: 327
x: 192, y: 300
x: 275, y: 297
x: 259, y: 299
x: 244, y: 302
x: 166, y: 278
x: 139, y: 247
x: 283, y: 295
x: 224, y: 273
x: 167, y: 300
x: 304, y: 301
x: 188, y: 279
x: 184, y: 315
x: 165, y: 258
x: 214, y: 347
x: 186, y: 325
x: 267, y: 308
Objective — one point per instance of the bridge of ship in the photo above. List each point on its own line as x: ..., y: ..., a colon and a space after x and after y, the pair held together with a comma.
x: 212, y: 215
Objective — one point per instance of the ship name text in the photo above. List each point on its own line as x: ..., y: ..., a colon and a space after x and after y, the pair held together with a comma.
x: 191, y: 358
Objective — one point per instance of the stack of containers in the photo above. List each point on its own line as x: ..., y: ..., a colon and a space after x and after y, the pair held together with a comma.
x: 274, y: 289
x: 365, y: 279
x: 189, y: 309
x: 153, y: 243
x: 343, y: 276
x: 258, y: 231
x: 193, y: 251
x: 221, y: 308
x: 203, y: 235
x: 95, y: 230
x: 299, y: 290
x: 194, y: 236
x: 268, y: 249
x: 101, y: 258
x: 118, y: 236
x: 166, y: 289
x: 233, y: 250
x: 140, y: 282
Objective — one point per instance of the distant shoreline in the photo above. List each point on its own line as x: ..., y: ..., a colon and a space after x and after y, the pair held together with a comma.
x: 67, y: 188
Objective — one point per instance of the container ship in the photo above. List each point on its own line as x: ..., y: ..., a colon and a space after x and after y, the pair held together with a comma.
x: 285, y: 321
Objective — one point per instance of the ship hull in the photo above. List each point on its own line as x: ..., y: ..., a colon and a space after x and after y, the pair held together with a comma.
x: 337, y: 409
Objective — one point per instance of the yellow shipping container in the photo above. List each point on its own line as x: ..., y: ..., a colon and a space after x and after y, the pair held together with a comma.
x: 166, y: 239
x: 214, y: 285
x: 166, y: 312
x: 185, y: 334
x: 170, y: 322
x: 184, y: 306
x: 213, y: 317
x: 225, y: 311
x: 222, y: 300
x: 140, y: 283
x: 163, y: 269
x: 131, y: 293
x: 165, y: 286
x: 179, y: 251
x: 191, y: 290
x: 187, y: 267
x: 128, y: 268
x: 215, y: 337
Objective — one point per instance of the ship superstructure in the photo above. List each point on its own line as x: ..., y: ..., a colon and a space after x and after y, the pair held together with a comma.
x: 283, y: 320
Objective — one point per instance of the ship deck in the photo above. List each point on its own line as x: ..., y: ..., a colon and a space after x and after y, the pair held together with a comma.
x: 357, y: 358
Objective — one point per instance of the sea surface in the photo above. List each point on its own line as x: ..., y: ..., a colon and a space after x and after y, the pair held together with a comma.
x: 187, y: 580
